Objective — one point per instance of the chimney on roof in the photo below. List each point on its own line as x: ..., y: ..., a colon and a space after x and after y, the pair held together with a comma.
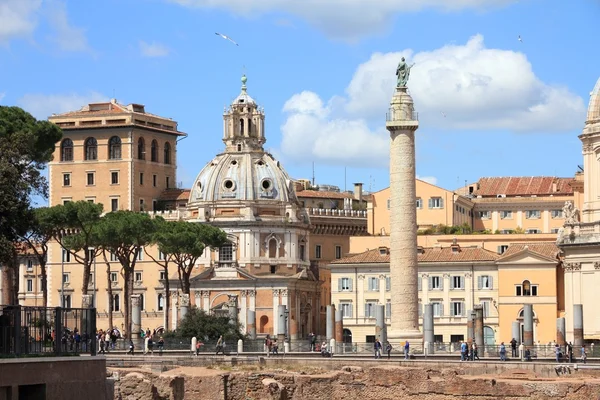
x: 554, y: 186
x: 358, y: 187
x: 455, y: 246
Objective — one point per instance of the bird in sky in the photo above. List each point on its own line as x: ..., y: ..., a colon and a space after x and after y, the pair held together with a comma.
x: 519, y: 39
x: 226, y: 38
x: 443, y: 114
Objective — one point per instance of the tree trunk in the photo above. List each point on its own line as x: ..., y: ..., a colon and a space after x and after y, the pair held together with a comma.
x: 109, y: 290
x: 167, y: 309
x: 186, y: 282
x: 44, y: 274
x: 14, y: 268
x: 87, y: 269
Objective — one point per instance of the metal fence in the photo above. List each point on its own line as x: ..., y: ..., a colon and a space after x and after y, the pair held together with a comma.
x: 26, y: 331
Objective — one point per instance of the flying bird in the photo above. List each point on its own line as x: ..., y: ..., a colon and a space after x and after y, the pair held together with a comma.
x: 443, y: 114
x: 226, y: 38
x: 519, y: 39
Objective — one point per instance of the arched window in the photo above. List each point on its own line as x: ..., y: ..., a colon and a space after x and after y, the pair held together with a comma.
x: 116, y: 303
x: 114, y: 148
x: 241, y: 127
x: 262, y: 326
x: 154, y: 151
x: 167, y: 153
x: 526, y: 288
x: 66, y: 150
x: 273, y: 248
x: 161, y: 302
x: 141, y: 149
x: 91, y: 149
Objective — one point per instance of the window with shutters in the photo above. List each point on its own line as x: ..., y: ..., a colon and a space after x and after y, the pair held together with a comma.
x: 457, y: 308
x: 532, y: 214
x: 436, y: 202
x: 505, y: 214
x: 435, y: 283
x: 458, y: 283
x: 485, y: 214
x: 419, y: 283
x: 486, y: 303
x: 388, y: 309
x: 346, y: 308
x: 484, y: 282
x: 556, y: 213
x: 388, y: 283
x: 345, y: 284
x: 438, y: 308
x: 373, y: 284
x: 419, y: 203
x: 370, y: 309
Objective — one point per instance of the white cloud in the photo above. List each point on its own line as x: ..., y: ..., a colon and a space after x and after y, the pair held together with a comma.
x: 428, y: 179
x: 153, y: 49
x: 66, y: 36
x: 342, y: 19
x: 41, y: 106
x: 2, y: 95
x: 18, y: 18
x: 474, y: 87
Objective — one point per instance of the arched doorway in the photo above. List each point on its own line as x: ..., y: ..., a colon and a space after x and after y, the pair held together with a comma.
x: 521, y: 319
x: 264, y: 320
x: 347, y: 335
x: 489, y: 337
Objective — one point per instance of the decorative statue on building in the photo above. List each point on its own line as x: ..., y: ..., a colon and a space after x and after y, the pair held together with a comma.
x: 403, y: 73
x: 571, y: 213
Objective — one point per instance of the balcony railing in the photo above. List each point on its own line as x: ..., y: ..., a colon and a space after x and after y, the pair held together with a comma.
x: 401, y: 115
x: 337, y: 213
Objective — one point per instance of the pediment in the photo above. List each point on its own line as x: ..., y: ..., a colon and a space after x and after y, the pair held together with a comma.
x: 219, y: 274
x: 526, y: 257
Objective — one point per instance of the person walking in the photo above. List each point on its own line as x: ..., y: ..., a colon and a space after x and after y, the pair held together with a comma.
x: 557, y: 352
x: 583, y: 354
x: 464, y: 350
x: 388, y: 349
x: 377, y: 348
x: 502, y: 352
x: 406, y: 349
x: 474, y: 354
x: 570, y: 351
x: 513, y: 346
x: 220, y: 345
x: 131, y: 347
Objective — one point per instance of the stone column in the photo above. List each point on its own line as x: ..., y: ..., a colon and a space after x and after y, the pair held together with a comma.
x: 329, y: 320
x: 136, y: 317
x: 232, y: 307
x: 402, y: 123
x: 281, y: 324
x: 244, y: 311
x: 528, y: 325
x: 206, y: 301
x: 174, y: 303
x: 252, y: 324
x: 478, y: 328
x: 560, y: 331
x: 198, y: 299
x: 184, y: 306
x: 380, y: 331
x: 516, y: 331
x: 471, y: 315
x: 275, y: 311
x: 428, y: 329
x: 339, y: 328
x: 577, y: 325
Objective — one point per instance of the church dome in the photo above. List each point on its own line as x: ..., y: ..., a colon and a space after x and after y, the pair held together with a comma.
x: 593, y: 114
x: 251, y: 176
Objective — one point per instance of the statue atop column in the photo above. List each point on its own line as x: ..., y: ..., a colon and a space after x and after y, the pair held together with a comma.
x: 403, y: 73
x: 570, y: 213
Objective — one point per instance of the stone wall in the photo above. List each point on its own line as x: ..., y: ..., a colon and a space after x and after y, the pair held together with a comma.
x: 384, y: 382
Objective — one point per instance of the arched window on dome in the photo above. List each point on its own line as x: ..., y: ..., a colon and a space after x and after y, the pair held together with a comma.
x: 241, y: 127
x: 66, y: 150
x: 91, y: 149
x: 154, y: 151
x: 167, y: 153
x: 141, y: 149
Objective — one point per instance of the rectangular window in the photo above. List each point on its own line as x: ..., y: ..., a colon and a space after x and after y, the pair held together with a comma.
x: 114, y: 277
x: 29, y: 265
x: 66, y: 278
x: 484, y: 282
x: 438, y: 308
x: 161, y: 255
x: 373, y: 284
x: 484, y: 214
x: 532, y: 214
x: 302, y: 250
x: 388, y: 283
x: 141, y: 178
x: 435, y: 283
x: 114, y: 204
x: 554, y: 230
x: 140, y: 254
x: 154, y: 179
x: 66, y: 179
x: 163, y: 275
x: 388, y: 309
x: 436, y: 202
x: 486, y: 307
x: 556, y: 213
x: 346, y: 310
x: 345, y: 285
x: 113, y: 257
x: 167, y: 182
x: 90, y: 179
x: 114, y: 178
x: 30, y: 285
x: 533, y: 231
x: 502, y: 248
x: 456, y: 308
x: 66, y: 301
x: 458, y: 282
x: 138, y: 276
x: 91, y: 200
x: 419, y: 203
x: 318, y: 251
x: 66, y: 202
x: 338, y: 252
x: 161, y: 304
x: 506, y: 214
x: 66, y: 255
x: 526, y: 289
x: 370, y: 309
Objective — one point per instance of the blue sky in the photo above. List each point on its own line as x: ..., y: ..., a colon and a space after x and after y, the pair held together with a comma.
x: 489, y: 104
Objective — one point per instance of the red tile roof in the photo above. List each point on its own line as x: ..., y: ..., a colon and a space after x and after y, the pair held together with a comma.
x: 523, y: 186
x: 428, y: 255
x: 544, y: 249
x: 323, y: 195
x: 175, y: 195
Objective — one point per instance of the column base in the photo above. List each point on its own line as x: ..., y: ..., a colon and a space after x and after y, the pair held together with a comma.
x: 405, y: 335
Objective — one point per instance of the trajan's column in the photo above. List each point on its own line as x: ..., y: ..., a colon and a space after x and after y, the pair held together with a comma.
x: 402, y: 122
